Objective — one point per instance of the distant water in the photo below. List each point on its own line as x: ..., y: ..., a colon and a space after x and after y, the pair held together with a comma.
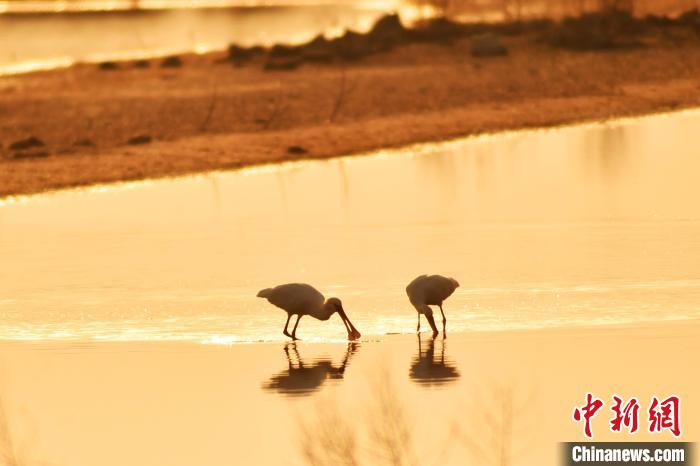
x: 586, y: 225
x: 49, y: 40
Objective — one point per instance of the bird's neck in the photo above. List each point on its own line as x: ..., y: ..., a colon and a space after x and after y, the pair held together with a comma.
x: 326, y: 311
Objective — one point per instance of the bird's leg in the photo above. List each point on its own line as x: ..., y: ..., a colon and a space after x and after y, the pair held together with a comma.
x: 418, y: 326
x: 294, y: 331
x: 289, y: 316
x: 444, y: 321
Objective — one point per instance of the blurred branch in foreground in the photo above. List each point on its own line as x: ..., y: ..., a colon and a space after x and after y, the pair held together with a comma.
x: 392, y: 442
x: 8, y: 453
x: 497, y: 424
x: 501, y: 426
x: 329, y: 439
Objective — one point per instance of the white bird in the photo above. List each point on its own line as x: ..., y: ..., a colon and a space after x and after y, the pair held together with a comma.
x: 428, y: 290
x: 302, y: 299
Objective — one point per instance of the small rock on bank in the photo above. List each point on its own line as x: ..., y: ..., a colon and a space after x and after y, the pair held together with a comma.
x: 488, y: 45
x: 171, y: 62
x: 138, y: 140
x: 29, y: 143
x: 297, y: 150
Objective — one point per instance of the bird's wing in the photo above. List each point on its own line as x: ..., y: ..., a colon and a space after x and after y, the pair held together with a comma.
x: 439, y: 288
x: 415, y: 285
x: 295, y: 297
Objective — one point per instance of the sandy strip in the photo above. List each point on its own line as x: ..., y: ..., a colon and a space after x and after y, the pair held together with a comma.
x: 214, y: 116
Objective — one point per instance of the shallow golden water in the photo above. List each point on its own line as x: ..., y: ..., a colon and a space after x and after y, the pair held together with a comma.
x: 588, y: 237
x: 595, y: 224
x: 483, y: 399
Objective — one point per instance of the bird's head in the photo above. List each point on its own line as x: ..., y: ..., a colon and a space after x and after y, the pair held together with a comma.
x: 337, y: 306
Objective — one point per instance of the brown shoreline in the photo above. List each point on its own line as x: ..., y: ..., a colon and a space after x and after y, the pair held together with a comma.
x: 205, y: 116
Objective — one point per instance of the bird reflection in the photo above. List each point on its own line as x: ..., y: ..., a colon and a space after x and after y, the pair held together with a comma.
x: 302, y: 378
x: 428, y: 370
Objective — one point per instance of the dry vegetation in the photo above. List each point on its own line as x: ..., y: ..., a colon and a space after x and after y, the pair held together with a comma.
x: 328, y: 438
x: 393, y: 86
x: 8, y: 453
x: 514, y: 10
x: 499, y: 428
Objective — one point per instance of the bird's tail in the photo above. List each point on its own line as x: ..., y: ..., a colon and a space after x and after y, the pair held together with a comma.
x: 264, y: 293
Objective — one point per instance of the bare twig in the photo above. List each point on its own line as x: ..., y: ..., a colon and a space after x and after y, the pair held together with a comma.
x: 328, y: 440
x: 210, y: 112
x: 8, y: 454
x: 339, y: 98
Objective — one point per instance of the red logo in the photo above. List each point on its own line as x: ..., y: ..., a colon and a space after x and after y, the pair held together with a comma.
x: 589, y: 410
x: 663, y: 415
x: 627, y: 415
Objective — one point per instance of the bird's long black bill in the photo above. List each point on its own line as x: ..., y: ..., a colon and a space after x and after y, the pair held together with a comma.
x: 353, y: 333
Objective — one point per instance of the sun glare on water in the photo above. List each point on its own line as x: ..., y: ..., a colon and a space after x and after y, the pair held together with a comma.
x: 121, y: 5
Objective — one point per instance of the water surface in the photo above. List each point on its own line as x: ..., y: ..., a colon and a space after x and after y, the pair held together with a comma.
x: 43, y: 40
x: 479, y: 399
x: 586, y: 225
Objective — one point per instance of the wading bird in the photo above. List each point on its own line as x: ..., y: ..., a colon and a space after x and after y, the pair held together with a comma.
x: 428, y: 290
x: 302, y: 300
